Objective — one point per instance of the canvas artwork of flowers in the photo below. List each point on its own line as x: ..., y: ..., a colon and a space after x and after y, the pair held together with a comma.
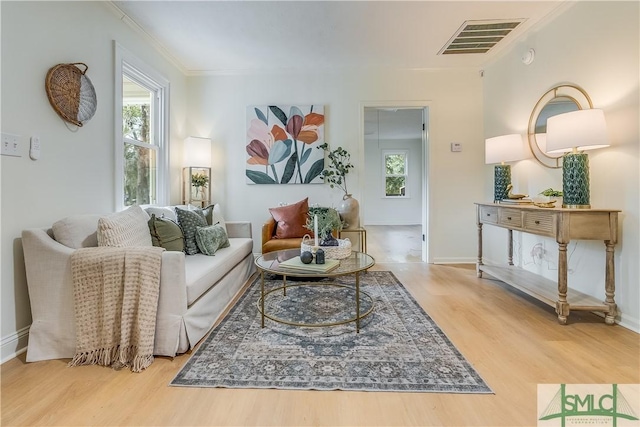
x: 281, y: 144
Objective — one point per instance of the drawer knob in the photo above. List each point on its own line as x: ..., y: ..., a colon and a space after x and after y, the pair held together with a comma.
x: 537, y: 222
x: 488, y: 214
x: 509, y: 218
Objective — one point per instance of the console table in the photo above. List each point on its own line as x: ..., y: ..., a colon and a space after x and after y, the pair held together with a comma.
x: 563, y: 225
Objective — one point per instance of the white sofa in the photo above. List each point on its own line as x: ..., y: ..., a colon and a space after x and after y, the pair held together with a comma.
x: 194, y: 289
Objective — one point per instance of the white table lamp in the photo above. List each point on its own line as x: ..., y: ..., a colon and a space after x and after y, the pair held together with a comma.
x: 196, y: 172
x: 570, y: 133
x: 502, y: 149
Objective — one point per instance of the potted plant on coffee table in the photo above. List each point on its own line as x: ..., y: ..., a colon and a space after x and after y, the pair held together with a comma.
x: 328, y: 221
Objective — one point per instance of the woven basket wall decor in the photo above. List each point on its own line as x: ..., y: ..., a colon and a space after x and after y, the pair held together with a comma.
x: 71, y: 93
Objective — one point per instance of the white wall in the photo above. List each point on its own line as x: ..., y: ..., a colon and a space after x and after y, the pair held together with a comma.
x: 594, y: 45
x: 217, y: 110
x: 381, y: 210
x: 75, y: 172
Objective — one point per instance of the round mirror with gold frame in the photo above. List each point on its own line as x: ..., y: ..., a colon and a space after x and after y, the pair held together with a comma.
x: 559, y: 99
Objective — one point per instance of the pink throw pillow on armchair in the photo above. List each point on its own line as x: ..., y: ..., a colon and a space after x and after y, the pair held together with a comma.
x: 291, y: 219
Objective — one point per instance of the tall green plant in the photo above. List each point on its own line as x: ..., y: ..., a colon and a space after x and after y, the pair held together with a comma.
x: 340, y: 165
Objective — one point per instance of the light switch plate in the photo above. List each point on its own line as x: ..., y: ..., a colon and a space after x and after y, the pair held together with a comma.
x: 456, y: 147
x: 10, y: 145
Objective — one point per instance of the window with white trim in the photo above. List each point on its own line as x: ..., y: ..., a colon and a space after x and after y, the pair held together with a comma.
x: 141, y: 133
x: 396, y: 173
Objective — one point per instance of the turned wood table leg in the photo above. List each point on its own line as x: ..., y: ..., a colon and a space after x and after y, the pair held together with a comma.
x: 479, y: 263
x: 610, y: 285
x: 510, y: 254
x: 562, y: 306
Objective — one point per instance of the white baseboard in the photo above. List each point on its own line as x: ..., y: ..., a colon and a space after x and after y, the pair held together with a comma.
x: 390, y: 223
x: 14, y: 344
x: 463, y: 260
x: 631, y: 323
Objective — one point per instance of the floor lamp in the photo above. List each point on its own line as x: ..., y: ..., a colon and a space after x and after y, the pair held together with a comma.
x: 502, y: 149
x: 572, y: 133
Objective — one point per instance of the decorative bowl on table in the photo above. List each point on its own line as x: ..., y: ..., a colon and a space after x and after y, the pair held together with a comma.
x: 342, y: 251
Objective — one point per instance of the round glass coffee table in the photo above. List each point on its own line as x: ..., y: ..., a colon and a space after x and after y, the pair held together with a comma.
x: 356, y: 263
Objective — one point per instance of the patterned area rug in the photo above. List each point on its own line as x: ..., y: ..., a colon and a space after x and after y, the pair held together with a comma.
x: 399, y: 347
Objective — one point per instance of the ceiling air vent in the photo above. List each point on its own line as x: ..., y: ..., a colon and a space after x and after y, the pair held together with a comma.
x: 479, y: 36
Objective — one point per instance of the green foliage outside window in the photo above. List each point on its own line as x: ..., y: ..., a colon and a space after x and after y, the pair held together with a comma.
x: 138, y: 161
x: 395, y: 170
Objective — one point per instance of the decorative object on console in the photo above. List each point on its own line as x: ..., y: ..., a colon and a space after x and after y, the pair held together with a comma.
x: 280, y: 146
x: 501, y: 149
x: 558, y: 100
x: 71, y: 93
x: 196, y: 174
x: 514, y: 196
x: 570, y: 132
x: 547, y: 198
x: 336, y: 175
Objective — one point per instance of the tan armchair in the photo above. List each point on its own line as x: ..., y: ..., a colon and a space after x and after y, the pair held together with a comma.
x: 270, y: 243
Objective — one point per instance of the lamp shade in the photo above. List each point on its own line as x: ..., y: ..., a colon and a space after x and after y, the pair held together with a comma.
x: 505, y: 148
x: 197, y: 152
x: 581, y: 129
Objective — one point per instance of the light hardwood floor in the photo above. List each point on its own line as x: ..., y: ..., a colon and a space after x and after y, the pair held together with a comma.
x: 513, y: 341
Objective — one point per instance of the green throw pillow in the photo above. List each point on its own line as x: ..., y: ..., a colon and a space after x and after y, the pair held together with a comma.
x: 211, y: 238
x: 189, y: 220
x: 166, y: 234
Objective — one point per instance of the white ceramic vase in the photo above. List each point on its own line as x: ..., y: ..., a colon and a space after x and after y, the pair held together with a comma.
x: 349, y: 210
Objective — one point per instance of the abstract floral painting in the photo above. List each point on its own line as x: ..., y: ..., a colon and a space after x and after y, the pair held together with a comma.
x: 282, y: 144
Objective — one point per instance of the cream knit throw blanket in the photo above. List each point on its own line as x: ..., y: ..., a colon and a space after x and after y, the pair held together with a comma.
x: 116, y: 299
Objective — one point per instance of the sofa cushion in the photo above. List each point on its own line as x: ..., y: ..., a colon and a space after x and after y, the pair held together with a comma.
x: 291, y: 219
x: 211, y: 238
x: 166, y: 234
x: 189, y: 221
x: 125, y: 228
x: 203, y: 271
x: 77, y: 231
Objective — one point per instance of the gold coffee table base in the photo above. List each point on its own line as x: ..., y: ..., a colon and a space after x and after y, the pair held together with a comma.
x: 313, y: 325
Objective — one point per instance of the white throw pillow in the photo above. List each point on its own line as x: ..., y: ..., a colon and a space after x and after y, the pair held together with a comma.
x: 162, y: 212
x: 125, y: 229
x: 77, y: 231
x: 217, y: 217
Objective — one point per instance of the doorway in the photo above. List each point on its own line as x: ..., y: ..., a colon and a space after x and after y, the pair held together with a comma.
x: 394, y: 196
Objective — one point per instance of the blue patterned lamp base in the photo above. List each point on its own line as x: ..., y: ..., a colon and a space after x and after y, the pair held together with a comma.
x: 501, y: 179
x: 575, y: 181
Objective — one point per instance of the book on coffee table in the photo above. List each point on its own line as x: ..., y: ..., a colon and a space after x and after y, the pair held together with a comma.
x: 295, y: 264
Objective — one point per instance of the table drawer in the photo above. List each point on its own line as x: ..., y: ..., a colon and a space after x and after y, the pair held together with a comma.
x: 538, y: 222
x: 489, y: 214
x: 510, y: 218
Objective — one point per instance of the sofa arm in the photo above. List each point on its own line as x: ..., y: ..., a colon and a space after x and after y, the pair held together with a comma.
x: 239, y: 229
x: 48, y: 266
x: 268, y: 230
x: 172, y: 304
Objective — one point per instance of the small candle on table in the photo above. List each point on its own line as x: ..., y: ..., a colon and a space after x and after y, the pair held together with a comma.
x: 315, y: 229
